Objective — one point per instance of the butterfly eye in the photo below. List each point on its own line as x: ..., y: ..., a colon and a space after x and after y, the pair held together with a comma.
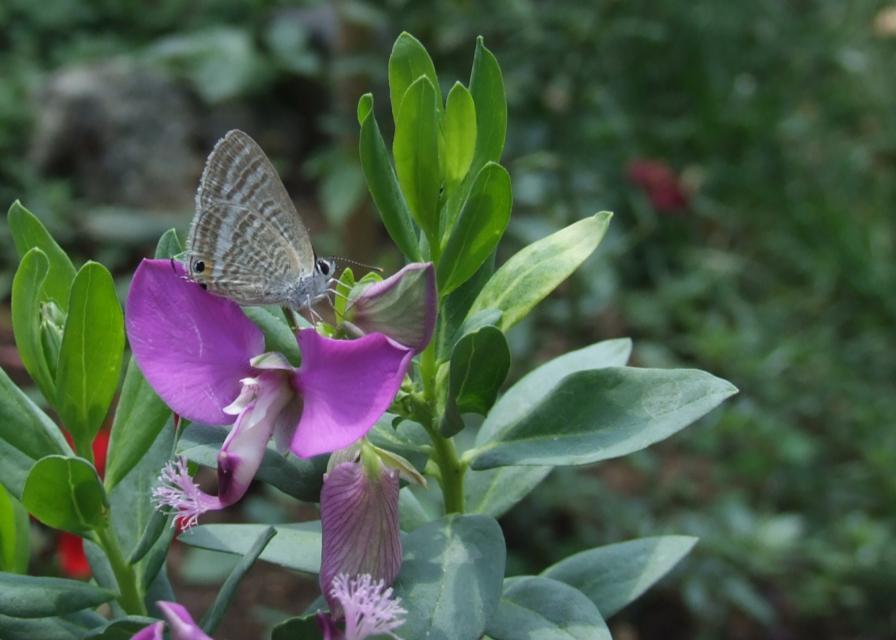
x: 323, y: 266
x: 199, y: 266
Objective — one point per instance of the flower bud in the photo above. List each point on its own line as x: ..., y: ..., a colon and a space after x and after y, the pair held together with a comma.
x: 403, y: 306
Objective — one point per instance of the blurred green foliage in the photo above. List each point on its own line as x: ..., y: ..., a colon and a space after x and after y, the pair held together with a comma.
x: 777, y: 119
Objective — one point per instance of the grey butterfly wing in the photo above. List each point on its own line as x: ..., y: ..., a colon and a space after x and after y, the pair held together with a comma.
x: 247, y: 241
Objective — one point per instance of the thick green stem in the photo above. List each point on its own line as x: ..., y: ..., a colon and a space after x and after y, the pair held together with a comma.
x: 128, y: 589
x: 451, y: 471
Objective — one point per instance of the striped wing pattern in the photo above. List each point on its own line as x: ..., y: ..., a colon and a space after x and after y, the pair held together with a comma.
x: 247, y: 241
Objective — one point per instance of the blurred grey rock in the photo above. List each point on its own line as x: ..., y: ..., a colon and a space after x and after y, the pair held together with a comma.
x: 122, y: 133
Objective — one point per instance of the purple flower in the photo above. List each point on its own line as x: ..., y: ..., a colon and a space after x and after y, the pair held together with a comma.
x: 403, y: 306
x: 179, y: 620
x: 205, y: 359
x: 370, y: 609
x: 359, y: 522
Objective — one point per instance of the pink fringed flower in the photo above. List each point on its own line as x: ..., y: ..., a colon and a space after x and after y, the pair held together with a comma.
x: 205, y: 359
x: 369, y: 606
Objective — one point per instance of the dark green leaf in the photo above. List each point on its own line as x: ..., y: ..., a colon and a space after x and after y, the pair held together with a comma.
x: 139, y: 418
x: 479, y: 364
x: 478, y: 229
x: 72, y: 626
x: 459, y: 129
x: 536, y: 270
x: 15, y: 534
x: 298, y: 628
x: 533, y: 607
x: 157, y: 525
x: 120, y: 629
x: 384, y: 188
x: 453, y: 313
x: 277, y: 334
x: 33, y: 597
x: 91, y: 354
x: 297, y: 546
x: 27, y: 233
x: 604, y: 413
x: 487, y: 89
x: 26, y: 435
x: 409, y: 60
x: 26, y: 319
x: 535, y: 386
x: 451, y: 576
x: 299, y: 477
x: 416, y: 152
x: 494, y: 491
x: 66, y: 493
x: 213, y: 616
x: 614, y: 575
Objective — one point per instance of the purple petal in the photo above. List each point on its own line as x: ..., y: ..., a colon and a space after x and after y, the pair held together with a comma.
x: 191, y: 346
x: 403, y: 306
x: 181, y: 622
x: 346, y: 385
x: 359, y: 523
x: 152, y: 632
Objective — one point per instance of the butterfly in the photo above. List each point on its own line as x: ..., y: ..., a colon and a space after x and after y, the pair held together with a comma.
x: 247, y: 242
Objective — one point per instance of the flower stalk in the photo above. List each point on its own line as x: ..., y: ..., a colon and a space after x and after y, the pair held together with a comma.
x: 129, y: 596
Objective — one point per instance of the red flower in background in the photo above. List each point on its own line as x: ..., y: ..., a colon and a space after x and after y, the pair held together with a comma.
x: 69, y: 547
x: 663, y: 186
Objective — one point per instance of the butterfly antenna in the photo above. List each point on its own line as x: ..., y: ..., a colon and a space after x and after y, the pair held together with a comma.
x: 344, y: 262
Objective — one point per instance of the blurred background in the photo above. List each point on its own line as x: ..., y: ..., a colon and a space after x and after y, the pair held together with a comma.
x: 748, y: 150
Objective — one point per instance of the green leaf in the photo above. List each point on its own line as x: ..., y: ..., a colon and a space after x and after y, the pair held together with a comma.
x: 298, y: 628
x: 536, y: 270
x: 454, y: 320
x: 72, y: 626
x: 535, y: 386
x: 33, y: 597
x: 415, y: 148
x: 533, y: 608
x: 297, y: 546
x: 604, y: 413
x: 614, y: 575
x: 26, y: 318
x: 487, y: 89
x: 215, y: 613
x: 27, y: 233
x: 277, y: 334
x: 459, y: 129
x: 451, y: 576
x: 384, y: 189
x: 409, y: 60
x: 91, y: 354
x: 15, y: 535
x: 26, y: 435
x: 494, y: 491
x: 478, y: 229
x: 66, y: 493
x: 121, y: 628
x: 365, y: 106
x: 479, y: 364
x: 299, y: 477
x: 169, y: 245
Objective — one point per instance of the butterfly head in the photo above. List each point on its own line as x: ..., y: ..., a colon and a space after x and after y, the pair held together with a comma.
x: 325, y: 267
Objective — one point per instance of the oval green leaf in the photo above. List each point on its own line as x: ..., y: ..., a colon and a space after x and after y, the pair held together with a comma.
x: 29, y: 232
x: 536, y: 270
x: 534, y: 607
x: 26, y: 435
x: 383, y: 186
x: 33, y: 597
x: 603, y: 413
x: 451, y: 577
x: 66, y: 493
x: 478, y: 229
x: 487, y: 89
x: 416, y: 152
x: 27, y: 286
x: 459, y: 133
x: 296, y: 546
x: 479, y: 364
x: 408, y: 61
x: 614, y: 575
x: 91, y: 354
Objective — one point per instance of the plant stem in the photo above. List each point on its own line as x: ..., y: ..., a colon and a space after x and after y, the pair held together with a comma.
x: 451, y: 470
x: 128, y: 590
